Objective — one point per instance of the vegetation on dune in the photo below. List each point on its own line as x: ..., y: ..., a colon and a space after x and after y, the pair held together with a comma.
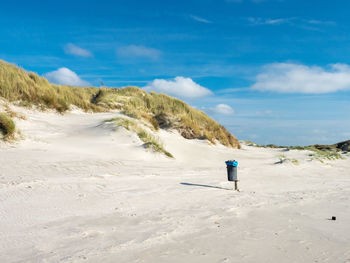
x: 16, y: 85
x: 318, y: 152
x: 163, y: 111
x: 13, y: 114
x: 295, y: 161
x: 282, y: 159
x: 159, y: 110
x: 7, y: 126
x: 325, y: 154
x: 318, y: 148
x: 149, y: 140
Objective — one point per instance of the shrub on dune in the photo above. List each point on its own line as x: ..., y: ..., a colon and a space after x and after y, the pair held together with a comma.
x: 7, y: 126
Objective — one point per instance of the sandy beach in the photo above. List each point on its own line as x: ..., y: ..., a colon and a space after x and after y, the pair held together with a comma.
x: 76, y: 189
x: 121, y: 124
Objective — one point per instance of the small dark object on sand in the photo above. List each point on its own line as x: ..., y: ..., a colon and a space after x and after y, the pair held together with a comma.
x: 334, y: 218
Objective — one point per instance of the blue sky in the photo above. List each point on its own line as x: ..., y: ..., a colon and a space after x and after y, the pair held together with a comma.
x: 271, y: 71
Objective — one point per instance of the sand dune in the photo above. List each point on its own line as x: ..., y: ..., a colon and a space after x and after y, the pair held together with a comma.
x: 76, y: 189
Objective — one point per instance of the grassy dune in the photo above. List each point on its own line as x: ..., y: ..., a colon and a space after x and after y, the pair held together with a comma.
x: 159, y: 110
x: 27, y: 88
x: 163, y: 111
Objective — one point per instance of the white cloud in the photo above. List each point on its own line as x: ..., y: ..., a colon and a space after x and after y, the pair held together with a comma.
x: 179, y: 86
x: 138, y: 51
x: 268, y: 21
x: 275, y: 21
x: 200, y: 19
x: 291, y: 21
x: 223, y: 109
x: 65, y: 76
x: 76, y: 51
x: 296, y: 78
x: 319, y: 22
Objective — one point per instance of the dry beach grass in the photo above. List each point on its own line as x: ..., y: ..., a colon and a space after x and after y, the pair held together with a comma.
x: 150, y: 140
x: 7, y: 126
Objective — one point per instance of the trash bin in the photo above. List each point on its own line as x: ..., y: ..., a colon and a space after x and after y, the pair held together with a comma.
x: 232, y: 170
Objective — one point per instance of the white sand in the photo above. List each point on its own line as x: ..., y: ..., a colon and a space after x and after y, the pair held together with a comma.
x: 77, y: 191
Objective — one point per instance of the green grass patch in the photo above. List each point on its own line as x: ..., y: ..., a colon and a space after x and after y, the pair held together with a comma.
x: 7, y: 126
x: 322, y: 155
x: 295, y: 161
x: 282, y: 159
x: 316, y: 154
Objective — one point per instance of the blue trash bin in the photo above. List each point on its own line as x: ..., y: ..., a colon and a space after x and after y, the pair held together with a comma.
x: 231, y: 166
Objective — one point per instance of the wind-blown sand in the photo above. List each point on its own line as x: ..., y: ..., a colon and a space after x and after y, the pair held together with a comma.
x: 77, y: 191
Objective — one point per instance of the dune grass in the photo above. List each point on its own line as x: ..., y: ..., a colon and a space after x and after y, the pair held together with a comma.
x: 321, y: 155
x: 13, y: 114
x: 294, y: 161
x: 150, y: 141
x: 163, y: 111
x: 318, y: 152
x: 282, y: 159
x: 7, y: 126
x: 17, y: 85
x: 159, y: 110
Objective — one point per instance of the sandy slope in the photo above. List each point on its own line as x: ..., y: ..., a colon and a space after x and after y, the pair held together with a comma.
x: 78, y: 191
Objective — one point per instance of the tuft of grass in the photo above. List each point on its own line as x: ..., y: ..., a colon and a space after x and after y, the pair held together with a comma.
x: 282, y: 159
x: 7, y: 126
x: 150, y: 141
x: 126, y: 123
x: 158, y: 110
x: 295, y: 161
